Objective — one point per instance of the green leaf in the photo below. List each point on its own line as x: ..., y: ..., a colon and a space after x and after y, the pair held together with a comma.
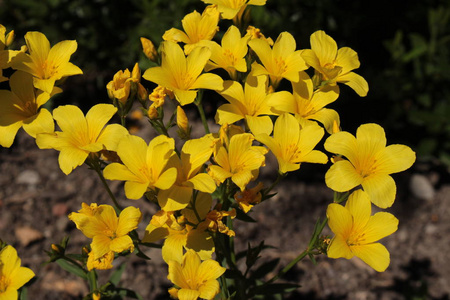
x: 240, y: 215
x: 128, y: 293
x: 265, y: 268
x: 275, y: 288
x: 117, y: 274
x: 69, y: 267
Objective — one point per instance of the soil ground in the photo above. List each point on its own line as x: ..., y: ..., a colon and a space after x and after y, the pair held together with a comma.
x: 36, y: 197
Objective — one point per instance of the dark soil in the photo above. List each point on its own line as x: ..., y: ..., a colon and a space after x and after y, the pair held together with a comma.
x: 36, y: 197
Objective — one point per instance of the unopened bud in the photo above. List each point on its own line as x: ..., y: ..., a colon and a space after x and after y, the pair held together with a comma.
x: 149, y: 49
x: 182, y: 120
x: 152, y: 112
x: 142, y: 93
x: 55, y: 248
x: 86, y: 250
x: 9, y: 38
x: 136, y: 73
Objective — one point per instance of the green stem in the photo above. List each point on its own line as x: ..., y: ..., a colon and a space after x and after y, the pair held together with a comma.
x: 92, y: 277
x: 279, y: 178
x: 289, y: 266
x: 198, y: 103
x: 94, y: 163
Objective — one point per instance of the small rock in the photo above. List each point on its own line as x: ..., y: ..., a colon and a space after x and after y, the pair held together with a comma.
x: 59, y: 209
x: 421, y: 187
x: 29, y: 177
x: 27, y: 235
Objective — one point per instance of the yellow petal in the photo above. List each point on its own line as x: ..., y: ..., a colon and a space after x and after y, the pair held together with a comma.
x: 174, y: 198
x: 360, y: 208
x: 375, y: 255
x: 185, y: 97
x: 9, y: 260
x: 100, y: 245
x: 356, y: 82
x: 176, y: 35
x: 97, y: 117
x: 173, y: 247
x: 111, y: 136
x: 260, y: 124
x: 327, y: 117
x: 201, y: 242
x: 173, y: 59
x: 20, y: 278
x: 135, y: 190
x: 38, y: 46
x: 381, y: 189
x: 338, y: 248
x: 129, y: 219
x: 324, y: 47
x: 347, y: 58
x: 203, y: 182
x: 122, y: 243
x: 208, y: 81
x: 340, y: 220
x: 41, y: 123
x: 188, y: 294
x: 45, y: 85
x: 342, y: 176
x: 395, y: 158
x: 196, y: 61
x: 160, y: 76
x: 343, y: 143
x: 8, y: 134
x: 70, y: 157
x: 379, y: 226
x: 60, y: 53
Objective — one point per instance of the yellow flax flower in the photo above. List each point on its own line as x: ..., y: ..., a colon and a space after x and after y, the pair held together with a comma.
x: 179, y: 233
x: 46, y: 64
x: 194, y: 154
x: 240, y: 161
x: 107, y: 231
x: 255, y: 33
x: 293, y: 144
x: 249, y: 197
x: 197, y: 28
x: 368, y: 163
x: 280, y: 61
x: 81, y: 135
x: 334, y: 65
x: 21, y: 107
x: 356, y: 231
x: 119, y: 88
x: 230, y: 8
x: 149, y: 49
x: 230, y: 56
x: 193, y: 278
x: 307, y: 104
x: 249, y: 103
x: 182, y: 74
x: 144, y: 166
x: 12, y: 275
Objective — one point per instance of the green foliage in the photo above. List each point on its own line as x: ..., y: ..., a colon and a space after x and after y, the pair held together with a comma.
x: 418, y: 84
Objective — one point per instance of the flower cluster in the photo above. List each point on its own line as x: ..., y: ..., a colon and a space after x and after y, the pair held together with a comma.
x: 200, y: 185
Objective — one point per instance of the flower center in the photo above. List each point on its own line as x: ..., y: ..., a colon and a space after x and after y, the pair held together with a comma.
x: 48, y: 70
x: 280, y: 63
x: 4, y: 283
x: 356, y: 239
x: 230, y: 57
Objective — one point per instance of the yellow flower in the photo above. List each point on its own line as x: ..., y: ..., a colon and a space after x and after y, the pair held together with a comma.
x: 249, y: 103
x: 12, y: 275
x: 144, y: 167
x: 230, y: 8
x: 149, y: 49
x: 179, y: 233
x: 5, y: 55
x: 101, y: 263
x: 107, y: 231
x: 231, y: 55
x: 334, y: 65
x: 293, y: 144
x: 119, y: 88
x: 369, y: 163
x: 21, y: 108
x: 46, y: 64
x: 81, y: 135
x: 307, y: 104
x: 240, y: 162
x: 194, y: 154
x: 356, y: 231
x: 214, y: 223
x: 181, y: 74
x: 255, y: 33
x: 194, y: 278
x: 282, y: 61
x: 197, y: 27
x: 249, y: 197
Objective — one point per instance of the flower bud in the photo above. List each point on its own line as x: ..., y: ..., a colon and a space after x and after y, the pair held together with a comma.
x: 9, y: 38
x: 149, y: 49
x: 183, y: 124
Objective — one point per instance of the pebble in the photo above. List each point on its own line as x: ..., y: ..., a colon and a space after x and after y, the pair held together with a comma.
x: 29, y: 177
x: 27, y: 235
x: 421, y: 187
